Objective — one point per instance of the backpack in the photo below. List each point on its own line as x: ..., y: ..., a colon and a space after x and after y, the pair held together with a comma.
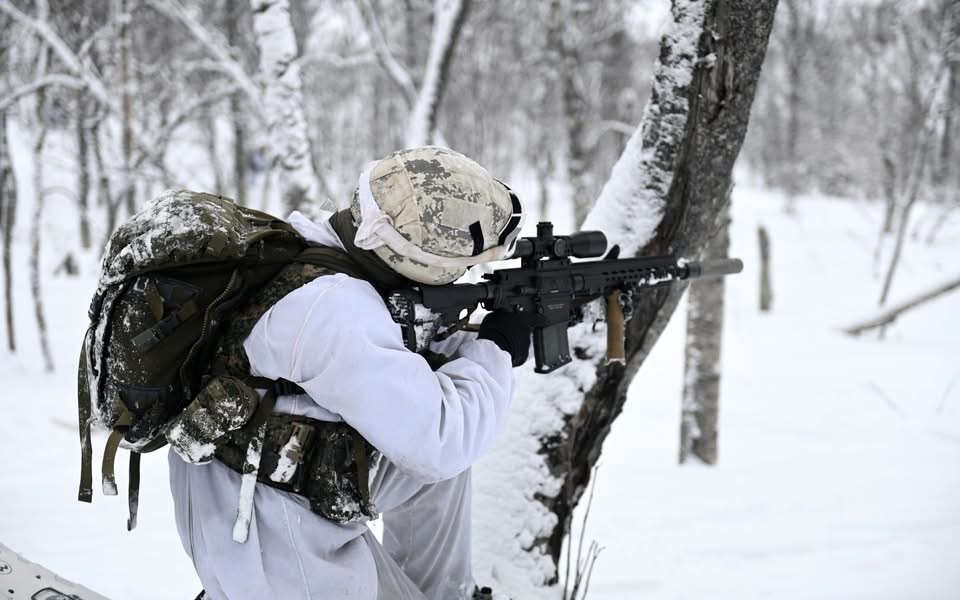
x: 170, y: 279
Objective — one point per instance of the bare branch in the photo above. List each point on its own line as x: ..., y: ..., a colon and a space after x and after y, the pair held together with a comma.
x: 63, y: 52
x: 217, y: 46
x: 449, y: 16
x: 397, y: 72
x: 38, y: 84
x: 605, y: 127
x: 93, y: 83
x: 106, y: 28
x: 335, y: 60
x: 178, y: 118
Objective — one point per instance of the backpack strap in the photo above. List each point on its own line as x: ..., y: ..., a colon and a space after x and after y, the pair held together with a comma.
x: 250, y: 472
x: 331, y: 258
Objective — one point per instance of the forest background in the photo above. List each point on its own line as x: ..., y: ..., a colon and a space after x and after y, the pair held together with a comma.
x: 853, y: 133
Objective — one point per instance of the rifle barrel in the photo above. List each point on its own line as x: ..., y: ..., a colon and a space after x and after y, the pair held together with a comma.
x: 717, y: 267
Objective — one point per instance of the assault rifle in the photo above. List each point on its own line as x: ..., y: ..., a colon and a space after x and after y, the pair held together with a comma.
x: 551, y: 288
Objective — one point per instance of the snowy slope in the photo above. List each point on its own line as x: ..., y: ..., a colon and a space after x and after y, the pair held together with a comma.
x: 838, y: 475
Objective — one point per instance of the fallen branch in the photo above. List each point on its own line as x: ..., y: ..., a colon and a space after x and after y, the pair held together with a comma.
x: 890, y: 315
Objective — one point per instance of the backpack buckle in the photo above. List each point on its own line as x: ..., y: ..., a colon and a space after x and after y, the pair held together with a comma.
x: 291, y: 457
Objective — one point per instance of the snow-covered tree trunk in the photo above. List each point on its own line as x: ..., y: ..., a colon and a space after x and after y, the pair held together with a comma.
x: 283, y: 104
x: 449, y: 16
x: 701, y: 381
x: 8, y: 216
x: 663, y: 197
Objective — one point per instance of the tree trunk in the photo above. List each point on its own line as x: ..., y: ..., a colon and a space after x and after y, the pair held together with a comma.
x: 83, y: 172
x: 35, y: 233
x: 449, y: 16
x: 236, y: 115
x: 890, y: 195
x: 283, y: 105
x: 104, y: 193
x: 126, y: 99
x: 8, y: 212
x: 210, y: 127
x: 766, y: 287
x: 794, y: 65
x: 701, y: 381
x: 936, y: 108
x: 573, y: 103
x: 663, y: 197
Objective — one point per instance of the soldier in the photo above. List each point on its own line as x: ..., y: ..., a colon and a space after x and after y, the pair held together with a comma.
x: 419, y: 216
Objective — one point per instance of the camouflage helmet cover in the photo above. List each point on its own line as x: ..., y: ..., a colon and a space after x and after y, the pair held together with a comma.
x: 442, y: 203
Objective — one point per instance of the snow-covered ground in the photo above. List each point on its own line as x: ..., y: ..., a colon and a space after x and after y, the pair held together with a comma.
x: 839, y: 473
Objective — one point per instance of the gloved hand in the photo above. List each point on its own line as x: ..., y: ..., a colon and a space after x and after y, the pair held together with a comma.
x: 510, y: 331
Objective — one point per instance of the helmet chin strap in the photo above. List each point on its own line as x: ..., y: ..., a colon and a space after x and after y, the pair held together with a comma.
x: 376, y: 230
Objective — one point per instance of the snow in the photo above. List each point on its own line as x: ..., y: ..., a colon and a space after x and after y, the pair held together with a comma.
x: 838, y: 472
x: 248, y: 485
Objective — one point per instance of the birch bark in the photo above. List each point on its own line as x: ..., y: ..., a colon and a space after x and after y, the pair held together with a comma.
x: 283, y: 105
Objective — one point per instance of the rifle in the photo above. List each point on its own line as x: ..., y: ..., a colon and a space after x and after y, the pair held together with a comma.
x: 551, y: 288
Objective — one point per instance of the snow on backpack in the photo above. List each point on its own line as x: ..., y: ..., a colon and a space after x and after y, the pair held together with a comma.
x: 169, y: 280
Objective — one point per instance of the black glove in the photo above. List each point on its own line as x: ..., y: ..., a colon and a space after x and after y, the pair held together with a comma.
x: 509, y: 330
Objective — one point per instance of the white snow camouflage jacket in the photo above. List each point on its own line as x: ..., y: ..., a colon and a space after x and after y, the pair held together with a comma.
x: 430, y: 426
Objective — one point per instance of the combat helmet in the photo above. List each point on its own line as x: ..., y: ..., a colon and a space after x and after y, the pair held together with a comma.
x: 430, y: 213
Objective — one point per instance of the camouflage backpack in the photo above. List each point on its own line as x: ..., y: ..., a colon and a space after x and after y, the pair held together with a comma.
x: 170, y: 280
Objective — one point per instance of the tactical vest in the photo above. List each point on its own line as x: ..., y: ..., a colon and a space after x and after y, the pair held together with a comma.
x: 328, y: 463
x: 325, y: 462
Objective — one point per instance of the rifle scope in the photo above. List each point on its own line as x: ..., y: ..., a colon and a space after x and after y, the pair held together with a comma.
x: 585, y: 244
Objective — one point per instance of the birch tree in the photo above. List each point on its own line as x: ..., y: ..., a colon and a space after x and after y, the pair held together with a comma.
x: 701, y: 372
x: 283, y: 104
x: 663, y: 197
x: 926, y: 138
x: 424, y: 102
x: 8, y: 197
x: 8, y: 215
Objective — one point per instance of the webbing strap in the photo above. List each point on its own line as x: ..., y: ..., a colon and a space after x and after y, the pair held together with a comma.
x: 251, y: 465
x: 108, y: 478
x: 281, y: 387
x: 332, y: 258
x: 85, y: 490
x: 133, y: 490
x: 363, y: 466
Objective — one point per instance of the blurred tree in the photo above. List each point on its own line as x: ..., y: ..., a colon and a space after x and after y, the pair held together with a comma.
x: 701, y: 378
